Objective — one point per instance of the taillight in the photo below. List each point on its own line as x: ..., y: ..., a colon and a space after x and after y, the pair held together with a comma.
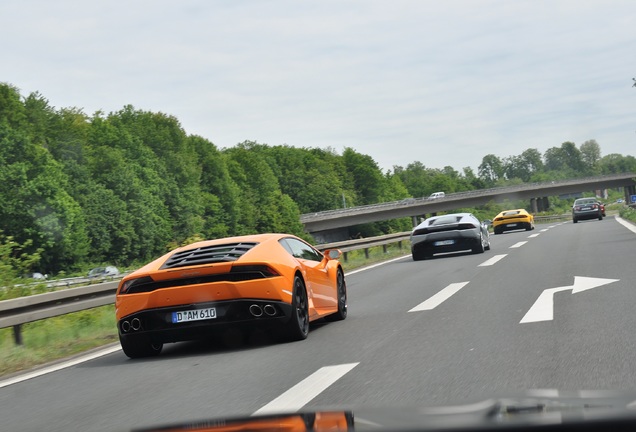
x: 133, y: 282
x: 264, y: 270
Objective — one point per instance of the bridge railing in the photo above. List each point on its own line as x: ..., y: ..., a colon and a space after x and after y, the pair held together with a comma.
x: 308, y: 217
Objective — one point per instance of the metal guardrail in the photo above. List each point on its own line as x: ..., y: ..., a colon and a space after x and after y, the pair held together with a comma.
x: 18, y: 311
x: 553, y: 218
x: 366, y: 243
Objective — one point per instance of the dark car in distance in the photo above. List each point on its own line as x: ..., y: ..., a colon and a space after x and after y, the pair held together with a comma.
x: 586, y: 208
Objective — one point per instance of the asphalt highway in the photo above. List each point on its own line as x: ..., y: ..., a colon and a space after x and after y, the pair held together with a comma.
x: 549, y: 310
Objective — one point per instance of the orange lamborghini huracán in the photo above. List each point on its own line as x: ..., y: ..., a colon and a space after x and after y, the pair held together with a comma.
x: 272, y: 281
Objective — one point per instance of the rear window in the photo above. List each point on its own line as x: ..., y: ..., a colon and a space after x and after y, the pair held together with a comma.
x: 511, y: 213
x: 585, y: 201
x: 443, y: 220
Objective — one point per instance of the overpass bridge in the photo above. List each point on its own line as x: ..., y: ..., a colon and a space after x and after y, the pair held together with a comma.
x: 331, y: 225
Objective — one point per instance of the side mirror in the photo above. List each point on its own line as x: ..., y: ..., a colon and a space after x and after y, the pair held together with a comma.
x: 333, y: 253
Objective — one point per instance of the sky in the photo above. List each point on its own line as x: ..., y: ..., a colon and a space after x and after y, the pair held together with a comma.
x: 443, y: 83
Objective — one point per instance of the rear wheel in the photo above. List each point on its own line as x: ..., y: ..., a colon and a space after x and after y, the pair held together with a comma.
x: 138, y: 346
x: 497, y: 231
x: 298, y: 324
x: 480, y: 247
x: 600, y: 217
x: 574, y: 220
x: 342, y: 299
x: 418, y: 256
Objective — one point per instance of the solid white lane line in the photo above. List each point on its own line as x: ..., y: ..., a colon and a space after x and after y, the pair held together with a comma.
x: 376, y: 265
x: 492, y: 260
x: 517, y: 245
x: 534, y: 235
x: 303, y: 392
x: 440, y: 297
x: 626, y: 224
x: 59, y: 366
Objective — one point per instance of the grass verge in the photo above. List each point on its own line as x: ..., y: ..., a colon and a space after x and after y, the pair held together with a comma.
x: 628, y: 213
x: 56, y: 338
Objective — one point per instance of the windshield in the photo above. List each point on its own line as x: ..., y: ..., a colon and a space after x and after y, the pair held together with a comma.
x: 216, y: 209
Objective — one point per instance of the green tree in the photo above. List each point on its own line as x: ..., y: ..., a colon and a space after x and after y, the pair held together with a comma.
x: 367, y: 176
x: 220, y: 194
x: 263, y: 207
x: 491, y: 169
x: 591, y: 155
x: 615, y: 163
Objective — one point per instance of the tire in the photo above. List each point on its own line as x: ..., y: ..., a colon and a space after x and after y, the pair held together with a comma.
x: 297, y: 327
x: 529, y: 227
x: 480, y: 247
x: 496, y: 231
x: 487, y: 247
x: 600, y: 217
x: 139, y: 346
x: 574, y: 221
x: 418, y: 256
x: 341, y: 292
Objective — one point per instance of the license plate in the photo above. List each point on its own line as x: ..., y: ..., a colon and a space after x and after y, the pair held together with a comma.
x: 444, y: 242
x: 586, y: 208
x: 512, y: 224
x: 193, y: 315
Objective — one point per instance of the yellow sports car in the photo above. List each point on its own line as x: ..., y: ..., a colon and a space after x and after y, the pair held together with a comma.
x: 509, y: 220
x: 265, y: 280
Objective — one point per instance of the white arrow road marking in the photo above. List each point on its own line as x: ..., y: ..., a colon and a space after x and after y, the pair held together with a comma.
x: 543, y: 307
x: 492, y: 260
x: 439, y: 298
x: 303, y: 392
x: 518, y: 244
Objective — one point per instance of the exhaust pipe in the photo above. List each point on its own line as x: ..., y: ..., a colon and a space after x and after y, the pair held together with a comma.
x: 269, y: 310
x: 135, y: 324
x: 125, y: 326
x: 256, y: 310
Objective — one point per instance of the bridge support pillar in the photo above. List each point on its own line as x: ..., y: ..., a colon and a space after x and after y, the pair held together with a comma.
x: 414, y: 221
x: 540, y: 204
x: 533, y: 205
